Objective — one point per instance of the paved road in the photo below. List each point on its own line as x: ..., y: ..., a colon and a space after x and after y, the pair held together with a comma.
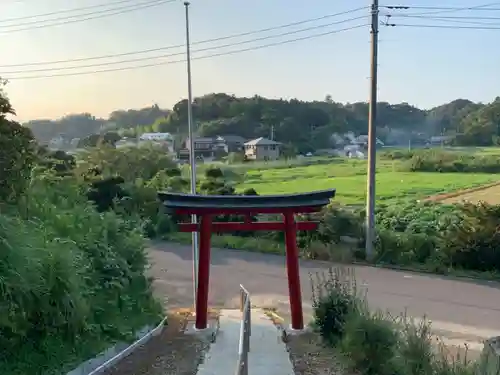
x: 463, y: 309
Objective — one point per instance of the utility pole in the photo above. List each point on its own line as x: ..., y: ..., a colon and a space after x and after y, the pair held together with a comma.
x: 192, y: 160
x: 372, y: 134
x: 272, y: 132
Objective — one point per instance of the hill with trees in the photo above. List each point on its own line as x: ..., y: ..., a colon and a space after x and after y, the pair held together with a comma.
x: 302, y: 124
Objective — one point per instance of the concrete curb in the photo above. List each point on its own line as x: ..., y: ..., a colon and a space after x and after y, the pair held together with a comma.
x: 113, y: 355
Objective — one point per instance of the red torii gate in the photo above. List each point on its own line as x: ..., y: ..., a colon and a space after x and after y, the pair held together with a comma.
x: 207, y: 206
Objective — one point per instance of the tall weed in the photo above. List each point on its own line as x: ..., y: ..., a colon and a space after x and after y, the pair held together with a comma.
x: 69, y: 276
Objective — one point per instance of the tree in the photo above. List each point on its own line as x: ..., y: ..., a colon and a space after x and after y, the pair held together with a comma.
x: 17, y: 152
x: 94, y: 140
x: 481, y: 127
x: 131, y: 164
x: 305, y: 125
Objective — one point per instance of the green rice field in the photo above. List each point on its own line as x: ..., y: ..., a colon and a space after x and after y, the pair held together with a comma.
x: 349, y: 178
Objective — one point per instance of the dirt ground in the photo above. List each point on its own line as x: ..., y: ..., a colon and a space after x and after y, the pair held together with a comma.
x: 307, y: 353
x: 489, y: 195
x: 310, y: 357
x: 170, y: 353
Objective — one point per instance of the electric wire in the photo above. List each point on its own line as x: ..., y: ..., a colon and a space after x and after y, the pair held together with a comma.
x: 456, y: 27
x: 267, y: 37
x: 194, y: 58
x: 441, y: 10
x: 164, y: 48
x: 6, y: 20
x: 91, y: 16
x: 455, y: 20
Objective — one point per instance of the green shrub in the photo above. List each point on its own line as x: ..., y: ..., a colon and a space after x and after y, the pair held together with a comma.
x: 370, y: 343
x: 397, y: 155
x: 334, y: 298
x: 404, y: 248
x: 337, y: 221
x: 448, y: 162
x: 473, y: 243
x: 71, y: 278
x: 129, y: 163
x: 415, y: 353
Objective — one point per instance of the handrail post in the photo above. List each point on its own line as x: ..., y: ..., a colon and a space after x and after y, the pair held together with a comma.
x: 245, y: 332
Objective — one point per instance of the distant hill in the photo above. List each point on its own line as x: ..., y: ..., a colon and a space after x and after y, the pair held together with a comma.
x: 305, y: 125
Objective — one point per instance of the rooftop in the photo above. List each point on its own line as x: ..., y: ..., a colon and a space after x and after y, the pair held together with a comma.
x: 261, y: 142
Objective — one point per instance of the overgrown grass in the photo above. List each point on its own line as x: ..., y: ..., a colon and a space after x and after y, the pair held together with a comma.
x: 71, y: 280
x: 375, y: 343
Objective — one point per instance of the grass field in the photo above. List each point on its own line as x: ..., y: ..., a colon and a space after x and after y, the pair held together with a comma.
x: 349, y: 178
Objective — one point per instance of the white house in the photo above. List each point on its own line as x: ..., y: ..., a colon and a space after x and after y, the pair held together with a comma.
x: 262, y: 149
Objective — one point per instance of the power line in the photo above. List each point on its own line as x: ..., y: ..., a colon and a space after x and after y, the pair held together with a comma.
x: 475, y: 7
x: 6, y: 20
x: 92, y: 16
x: 440, y: 10
x: 195, y: 58
x: 182, y: 53
x: 456, y: 20
x: 456, y: 27
x: 231, y: 36
x: 447, y: 17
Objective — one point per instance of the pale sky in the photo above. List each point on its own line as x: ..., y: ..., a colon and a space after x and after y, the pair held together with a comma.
x: 422, y: 66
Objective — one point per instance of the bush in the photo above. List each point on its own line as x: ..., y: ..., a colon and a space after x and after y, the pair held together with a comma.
x: 336, y: 222
x: 369, y: 343
x: 334, y: 298
x: 415, y: 352
x: 473, y: 243
x: 448, y: 162
x: 71, y: 278
x: 129, y: 163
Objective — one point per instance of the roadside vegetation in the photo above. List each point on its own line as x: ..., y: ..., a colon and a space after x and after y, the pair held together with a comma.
x: 375, y: 343
x: 72, y: 278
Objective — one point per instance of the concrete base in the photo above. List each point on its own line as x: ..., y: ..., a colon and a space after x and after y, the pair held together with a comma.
x: 490, y: 357
x: 209, y: 333
x: 294, y: 332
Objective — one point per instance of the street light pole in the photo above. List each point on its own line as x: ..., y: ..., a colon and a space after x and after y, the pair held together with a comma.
x: 192, y: 160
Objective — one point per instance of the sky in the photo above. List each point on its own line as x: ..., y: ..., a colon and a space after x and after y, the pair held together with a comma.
x: 422, y: 66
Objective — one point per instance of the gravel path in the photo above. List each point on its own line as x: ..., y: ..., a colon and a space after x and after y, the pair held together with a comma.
x: 171, y: 353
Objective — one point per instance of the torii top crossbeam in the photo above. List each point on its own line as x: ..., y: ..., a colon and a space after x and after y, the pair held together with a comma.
x: 244, y: 204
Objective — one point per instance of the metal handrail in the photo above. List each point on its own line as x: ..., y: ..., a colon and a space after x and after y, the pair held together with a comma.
x: 245, y: 332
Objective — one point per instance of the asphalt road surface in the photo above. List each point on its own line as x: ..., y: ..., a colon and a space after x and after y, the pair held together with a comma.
x: 462, y: 310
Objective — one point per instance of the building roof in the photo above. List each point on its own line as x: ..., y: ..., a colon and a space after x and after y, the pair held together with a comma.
x: 155, y: 136
x: 201, y: 140
x: 261, y: 142
x: 231, y: 138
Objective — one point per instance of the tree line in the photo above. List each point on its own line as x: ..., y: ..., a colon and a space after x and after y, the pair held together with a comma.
x: 305, y: 125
